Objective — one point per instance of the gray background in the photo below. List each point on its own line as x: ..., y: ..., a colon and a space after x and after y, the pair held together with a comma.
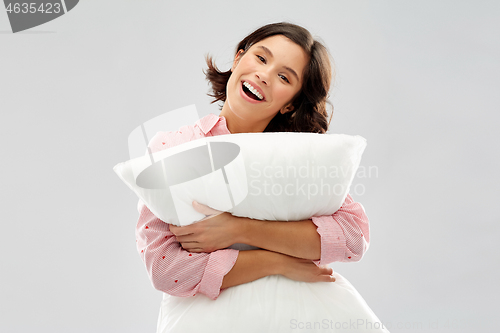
x: 418, y: 79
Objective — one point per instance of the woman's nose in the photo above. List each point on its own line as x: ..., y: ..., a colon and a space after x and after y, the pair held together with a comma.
x: 262, y: 76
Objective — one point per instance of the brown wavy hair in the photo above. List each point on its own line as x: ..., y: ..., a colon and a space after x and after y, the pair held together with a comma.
x: 310, y: 105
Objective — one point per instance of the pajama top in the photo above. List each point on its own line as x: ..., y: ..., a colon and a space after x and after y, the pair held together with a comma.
x: 175, y: 271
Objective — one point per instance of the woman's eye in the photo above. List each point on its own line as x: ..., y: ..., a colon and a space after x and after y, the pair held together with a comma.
x: 261, y: 59
x: 284, y: 78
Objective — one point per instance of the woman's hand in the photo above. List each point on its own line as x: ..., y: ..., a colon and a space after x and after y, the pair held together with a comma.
x: 305, y: 270
x: 216, y: 231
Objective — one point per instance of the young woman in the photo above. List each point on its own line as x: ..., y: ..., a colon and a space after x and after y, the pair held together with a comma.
x: 279, y: 81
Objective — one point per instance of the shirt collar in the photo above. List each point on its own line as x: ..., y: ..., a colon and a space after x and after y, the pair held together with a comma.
x: 207, y: 123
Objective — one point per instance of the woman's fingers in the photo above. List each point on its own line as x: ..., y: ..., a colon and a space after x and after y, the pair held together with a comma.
x: 204, y: 209
x: 306, y: 271
x: 326, y: 270
x: 173, y: 228
x: 326, y: 278
x: 179, y: 231
x: 325, y: 274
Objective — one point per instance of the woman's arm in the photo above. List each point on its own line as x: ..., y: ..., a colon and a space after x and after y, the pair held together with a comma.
x: 342, y: 236
x: 255, y: 264
x: 298, y: 239
x: 221, y: 230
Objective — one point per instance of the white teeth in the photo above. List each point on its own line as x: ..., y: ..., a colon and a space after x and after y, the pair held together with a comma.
x: 253, y: 90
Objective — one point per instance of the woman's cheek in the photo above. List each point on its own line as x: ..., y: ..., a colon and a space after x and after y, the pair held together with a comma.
x: 284, y: 95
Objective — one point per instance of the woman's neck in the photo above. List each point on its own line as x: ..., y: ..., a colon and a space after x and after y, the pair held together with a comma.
x: 236, y: 124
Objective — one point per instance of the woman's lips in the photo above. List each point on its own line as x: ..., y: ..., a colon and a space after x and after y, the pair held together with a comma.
x: 248, y: 98
x: 256, y: 87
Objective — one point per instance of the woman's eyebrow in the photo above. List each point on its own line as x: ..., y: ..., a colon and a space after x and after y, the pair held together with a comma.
x: 270, y: 54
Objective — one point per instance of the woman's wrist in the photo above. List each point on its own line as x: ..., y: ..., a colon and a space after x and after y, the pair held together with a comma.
x: 245, y: 230
x: 239, y: 229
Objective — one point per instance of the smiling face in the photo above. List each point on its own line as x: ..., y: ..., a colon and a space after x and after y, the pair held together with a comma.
x: 263, y: 82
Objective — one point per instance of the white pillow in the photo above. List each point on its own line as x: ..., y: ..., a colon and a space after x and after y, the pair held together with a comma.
x: 265, y: 176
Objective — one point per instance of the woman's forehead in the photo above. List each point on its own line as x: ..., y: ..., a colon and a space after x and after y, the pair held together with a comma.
x: 276, y: 40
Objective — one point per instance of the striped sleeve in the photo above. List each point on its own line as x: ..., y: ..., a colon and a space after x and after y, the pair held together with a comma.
x: 345, y: 235
x: 174, y: 270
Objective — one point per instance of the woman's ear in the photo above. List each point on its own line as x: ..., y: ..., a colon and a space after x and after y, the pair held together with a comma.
x: 287, y: 108
x: 237, y: 57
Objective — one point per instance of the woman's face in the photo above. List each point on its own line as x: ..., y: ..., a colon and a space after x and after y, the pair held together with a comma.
x: 263, y: 82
